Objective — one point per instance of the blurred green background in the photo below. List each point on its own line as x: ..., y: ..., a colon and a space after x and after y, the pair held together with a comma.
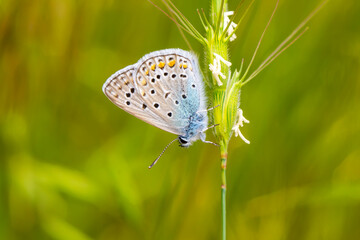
x: 74, y: 166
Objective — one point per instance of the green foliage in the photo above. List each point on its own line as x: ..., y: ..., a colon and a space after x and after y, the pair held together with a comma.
x: 73, y: 166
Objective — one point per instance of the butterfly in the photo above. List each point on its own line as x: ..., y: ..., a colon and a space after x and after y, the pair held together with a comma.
x: 165, y: 89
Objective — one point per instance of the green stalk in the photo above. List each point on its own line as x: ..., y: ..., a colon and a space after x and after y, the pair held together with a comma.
x: 224, y: 115
x: 223, y: 152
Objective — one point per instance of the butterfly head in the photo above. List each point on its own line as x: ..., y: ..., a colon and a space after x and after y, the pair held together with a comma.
x: 187, y: 141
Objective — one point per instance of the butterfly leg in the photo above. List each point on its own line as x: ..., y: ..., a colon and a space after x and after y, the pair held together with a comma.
x: 202, y: 137
x: 209, y: 109
x: 210, y: 143
x: 210, y: 127
x: 212, y: 108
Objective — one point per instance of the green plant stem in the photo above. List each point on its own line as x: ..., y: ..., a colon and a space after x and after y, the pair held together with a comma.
x: 223, y: 150
x: 221, y: 114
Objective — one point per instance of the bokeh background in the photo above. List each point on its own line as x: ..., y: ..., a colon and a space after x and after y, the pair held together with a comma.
x: 74, y: 166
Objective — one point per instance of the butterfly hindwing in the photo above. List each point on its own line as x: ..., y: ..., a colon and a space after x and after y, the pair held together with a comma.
x: 171, y: 87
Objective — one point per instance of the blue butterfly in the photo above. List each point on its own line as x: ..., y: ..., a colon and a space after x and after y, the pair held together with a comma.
x: 165, y: 89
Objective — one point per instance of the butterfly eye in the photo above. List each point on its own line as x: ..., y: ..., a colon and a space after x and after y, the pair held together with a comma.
x: 169, y: 114
x: 176, y: 102
x: 166, y: 73
x: 156, y: 105
x: 184, y: 96
x: 128, y: 103
x: 193, y: 86
x: 182, y: 141
x: 173, y: 75
x: 153, y: 80
x: 144, y: 106
x: 152, y: 91
x: 128, y: 95
x: 132, y: 90
x: 158, y: 76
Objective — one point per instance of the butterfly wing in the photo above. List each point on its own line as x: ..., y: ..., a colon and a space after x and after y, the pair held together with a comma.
x: 171, y: 85
x: 163, y: 89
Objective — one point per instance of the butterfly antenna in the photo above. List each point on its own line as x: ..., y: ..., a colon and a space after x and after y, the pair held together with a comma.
x: 162, y: 153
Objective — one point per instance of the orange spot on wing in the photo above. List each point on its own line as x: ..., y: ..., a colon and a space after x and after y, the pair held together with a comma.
x: 161, y: 65
x: 171, y: 63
